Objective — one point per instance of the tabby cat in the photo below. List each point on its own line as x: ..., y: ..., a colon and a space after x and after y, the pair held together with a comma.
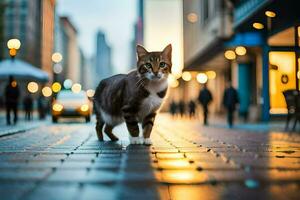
x: 134, y: 97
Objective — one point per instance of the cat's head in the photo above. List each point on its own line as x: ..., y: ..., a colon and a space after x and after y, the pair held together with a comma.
x: 154, y: 66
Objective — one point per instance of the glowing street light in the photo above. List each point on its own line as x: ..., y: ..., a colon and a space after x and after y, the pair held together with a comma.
x: 192, y: 17
x: 258, y: 25
x: 13, y: 45
x: 269, y: 13
x: 32, y: 87
x: 76, y: 88
x: 211, y: 74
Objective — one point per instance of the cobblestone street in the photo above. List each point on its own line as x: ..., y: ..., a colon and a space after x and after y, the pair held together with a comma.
x: 186, y: 161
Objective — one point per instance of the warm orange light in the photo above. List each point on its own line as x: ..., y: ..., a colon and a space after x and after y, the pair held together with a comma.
x: 240, y: 50
x: 258, y: 25
x: 186, y: 76
x: 12, y: 52
x: 46, y: 91
x: 32, y: 87
x: 192, y: 17
x: 56, y: 87
x: 270, y: 13
x: 211, y: 74
x: 57, y: 107
x: 230, y: 55
x: 84, y: 108
x: 14, y: 84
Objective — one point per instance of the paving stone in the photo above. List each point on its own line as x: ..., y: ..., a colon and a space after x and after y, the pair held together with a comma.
x: 15, y: 190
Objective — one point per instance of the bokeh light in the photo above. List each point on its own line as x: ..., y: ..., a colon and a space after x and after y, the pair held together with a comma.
x: 90, y: 93
x: 14, y: 44
x: 57, y: 68
x: 46, y: 91
x: 211, y: 74
x: 56, y: 87
x: 172, y: 81
x: 202, y: 78
x: 76, y: 88
x: 269, y: 13
x: 240, y: 50
x: 56, y: 57
x: 230, y: 55
x: 68, y: 83
x: 32, y: 87
x: 186, y: 76
x: 192, y: 17
x: 258, y: 25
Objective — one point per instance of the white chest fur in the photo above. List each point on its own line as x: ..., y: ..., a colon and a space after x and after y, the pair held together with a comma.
x: 153, y: 101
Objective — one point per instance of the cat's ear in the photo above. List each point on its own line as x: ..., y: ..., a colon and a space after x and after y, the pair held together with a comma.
x: 167, y: 52
x: 141, y: 51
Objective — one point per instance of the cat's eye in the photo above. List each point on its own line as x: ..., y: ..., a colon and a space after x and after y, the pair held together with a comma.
x: 148, y: 65
x: 162, y: 65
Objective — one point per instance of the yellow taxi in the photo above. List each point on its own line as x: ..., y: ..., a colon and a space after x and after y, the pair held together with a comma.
x: 71, y: 104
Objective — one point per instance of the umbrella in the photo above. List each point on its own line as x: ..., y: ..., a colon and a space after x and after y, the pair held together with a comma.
x: 22, y: 71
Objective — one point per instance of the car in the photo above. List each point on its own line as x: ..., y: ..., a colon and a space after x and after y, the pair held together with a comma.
x: 71, y: 104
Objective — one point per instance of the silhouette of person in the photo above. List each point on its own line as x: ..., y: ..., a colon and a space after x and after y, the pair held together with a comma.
x: 42, y: 107
x: 28, y: 107
x: 173, y: 108
x: 181, y: 108
x: 192, y: 108
x: 204, y: 99
x: 12, y: 94
x: 230, y: 100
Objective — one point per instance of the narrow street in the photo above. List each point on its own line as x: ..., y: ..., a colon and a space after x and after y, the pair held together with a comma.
x: 187, y: 161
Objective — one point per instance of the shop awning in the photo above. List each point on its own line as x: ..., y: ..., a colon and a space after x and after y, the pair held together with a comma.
x: 21, y: 71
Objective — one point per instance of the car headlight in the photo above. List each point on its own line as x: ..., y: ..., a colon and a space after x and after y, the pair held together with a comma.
x: 57, y: 107
x: 84, y: 108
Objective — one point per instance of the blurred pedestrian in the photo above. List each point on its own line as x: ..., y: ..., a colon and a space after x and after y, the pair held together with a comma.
x: 12, y: 94
x: 181, y: 107
x: 230, y: 100
x: 192, y: 109
x: 205, y: 98
x: 173, y: 108
x: 42, y: 107
x: 28, y: 107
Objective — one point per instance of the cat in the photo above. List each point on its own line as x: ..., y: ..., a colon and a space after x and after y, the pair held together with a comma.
x: 135, y: 97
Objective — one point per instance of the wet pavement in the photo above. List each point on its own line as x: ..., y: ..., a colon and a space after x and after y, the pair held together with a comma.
x: 186, y: 161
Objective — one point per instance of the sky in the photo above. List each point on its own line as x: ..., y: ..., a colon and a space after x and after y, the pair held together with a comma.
x: 115, y: 18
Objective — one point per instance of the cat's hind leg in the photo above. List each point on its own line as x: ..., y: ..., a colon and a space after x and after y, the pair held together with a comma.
x: 99, y: 127
x: 108, y: 131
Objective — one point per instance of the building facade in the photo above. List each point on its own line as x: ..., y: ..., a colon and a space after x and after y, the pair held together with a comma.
x: 103, y: 63
x: 31, y: 21
x: 70, y: 51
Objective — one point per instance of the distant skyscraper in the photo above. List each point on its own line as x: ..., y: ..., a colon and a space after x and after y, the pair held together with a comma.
x: 31, y: 21
x: 138, y: 32
x: 103, y: 63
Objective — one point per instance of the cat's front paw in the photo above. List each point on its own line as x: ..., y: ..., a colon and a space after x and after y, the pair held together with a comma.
x: 147, y: 141
x: 136, y: 140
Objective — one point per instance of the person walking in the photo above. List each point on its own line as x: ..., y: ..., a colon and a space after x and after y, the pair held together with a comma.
x: 230, y: 100
x: 192, y: 108
x: 204, y: 99
x: 12, y: 94
x: 181, y: 108
x: 173, y: 108
x: 28, y: 107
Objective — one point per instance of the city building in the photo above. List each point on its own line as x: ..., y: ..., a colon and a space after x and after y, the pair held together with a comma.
x: 103, y: 61
x: 70, y: 51
x: 32, y: 22
x: 207, y: 25
x: 269, y: 30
